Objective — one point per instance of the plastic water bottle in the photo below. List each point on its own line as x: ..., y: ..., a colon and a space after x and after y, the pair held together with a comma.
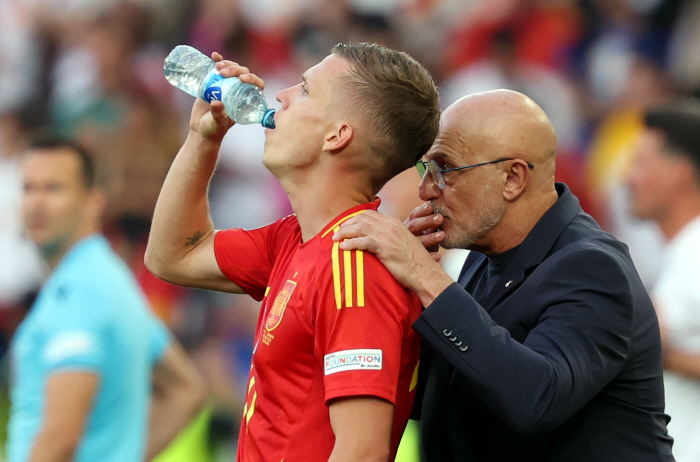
x: 195, y: 74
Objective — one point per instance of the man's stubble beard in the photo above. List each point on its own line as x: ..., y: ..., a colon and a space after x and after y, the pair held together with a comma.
x: 464, y: 235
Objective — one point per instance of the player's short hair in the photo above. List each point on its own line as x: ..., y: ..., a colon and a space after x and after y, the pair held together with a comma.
x: 401, y: 102
x: 87, y: 162
x: 679, y: 121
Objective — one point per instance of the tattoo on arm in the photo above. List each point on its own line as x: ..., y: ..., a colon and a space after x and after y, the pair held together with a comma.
x: 194, y: 240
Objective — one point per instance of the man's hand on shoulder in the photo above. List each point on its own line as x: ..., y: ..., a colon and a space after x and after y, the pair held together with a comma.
x: 399, y: 249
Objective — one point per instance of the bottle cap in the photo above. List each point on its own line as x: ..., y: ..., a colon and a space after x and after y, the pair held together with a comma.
x: 268, y: 120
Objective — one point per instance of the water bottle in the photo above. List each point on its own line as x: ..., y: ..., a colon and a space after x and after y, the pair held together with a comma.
x: 195, y: 74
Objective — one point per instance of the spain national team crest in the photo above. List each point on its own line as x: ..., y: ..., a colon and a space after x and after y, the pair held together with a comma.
x: 275, y: 316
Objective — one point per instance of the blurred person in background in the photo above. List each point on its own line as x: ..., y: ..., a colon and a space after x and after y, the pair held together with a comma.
x: 358, y: 118
x: 548, y: 348
x: 89, y: 354
x: 664, y: 182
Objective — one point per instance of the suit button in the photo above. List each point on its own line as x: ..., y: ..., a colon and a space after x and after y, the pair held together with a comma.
x: 446, y: 333
x: 458, y: 343
x: 463, y: 348
x: 452, y: 339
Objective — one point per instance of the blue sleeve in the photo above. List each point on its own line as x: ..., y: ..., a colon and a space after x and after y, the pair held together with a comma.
x: 76, y: 334
x: 580, y: 342
x: 159, y: 339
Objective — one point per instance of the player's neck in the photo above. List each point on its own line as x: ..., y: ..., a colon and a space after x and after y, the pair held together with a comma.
x: 53, y: 253
x: 317, y: 203
x: 678, y: 215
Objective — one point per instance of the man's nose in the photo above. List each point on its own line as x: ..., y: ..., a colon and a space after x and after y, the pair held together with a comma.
x: 282, y: 97
x: 428, y: 189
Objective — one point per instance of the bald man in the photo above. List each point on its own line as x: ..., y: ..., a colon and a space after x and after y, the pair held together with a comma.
x: 548, y: 348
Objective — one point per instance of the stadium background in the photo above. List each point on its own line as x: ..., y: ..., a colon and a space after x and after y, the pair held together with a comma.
x: 91, y: 70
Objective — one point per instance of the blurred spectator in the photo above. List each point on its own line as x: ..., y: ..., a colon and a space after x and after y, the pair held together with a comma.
x: 684, y: 60
x: 89, y: 352
x: 665, y: 185
x: 502, y: 68
x: 611, y: 155
x: 20, y: 266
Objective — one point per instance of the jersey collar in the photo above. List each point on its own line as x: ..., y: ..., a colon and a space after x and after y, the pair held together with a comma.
x: 374, y: 205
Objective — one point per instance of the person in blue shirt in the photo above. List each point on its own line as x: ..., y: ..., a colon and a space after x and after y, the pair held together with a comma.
x: 95, y: 376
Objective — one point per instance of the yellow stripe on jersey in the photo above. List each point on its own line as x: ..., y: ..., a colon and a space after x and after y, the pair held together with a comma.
x: 360, y: 265
x: 336, y: 224
x: 267, y: 291
x: 347, y: 268
x: 251, y: 410
x: 414, y: 379
x: 336, y: 274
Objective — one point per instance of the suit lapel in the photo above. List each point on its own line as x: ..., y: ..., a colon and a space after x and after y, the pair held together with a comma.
x: 472, y: 265
x: 534, y: 248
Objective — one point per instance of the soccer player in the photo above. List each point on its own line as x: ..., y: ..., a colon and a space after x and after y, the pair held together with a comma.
x: 334, y: 365
x: 84, y: 357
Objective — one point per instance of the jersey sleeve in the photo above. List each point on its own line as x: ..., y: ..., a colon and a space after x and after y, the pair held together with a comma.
x: 159, y: 339
x: 76, y: 338
x: 247, y: 257
x: 362, y: 316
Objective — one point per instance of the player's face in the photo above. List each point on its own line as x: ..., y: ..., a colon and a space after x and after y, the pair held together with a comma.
x: 652, y: 177
x: 472, y: 201
x: 305, y: 117
x: 53, y: 203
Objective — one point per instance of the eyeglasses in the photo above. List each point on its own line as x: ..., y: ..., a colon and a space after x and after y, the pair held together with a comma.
x: 438, y: 173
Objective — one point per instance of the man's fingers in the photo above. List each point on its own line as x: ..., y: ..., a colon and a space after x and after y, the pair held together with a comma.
x: 420, y: 225
x: 358, y: 243
x: 420, y: 211
x: 432, y: 240
x: 222, y: 63
x: 351, y: 230
x: 234, y: 70
x: 219, y: 113
x: 436, y: 256
x: 252, y: 78
x: 359, y: 225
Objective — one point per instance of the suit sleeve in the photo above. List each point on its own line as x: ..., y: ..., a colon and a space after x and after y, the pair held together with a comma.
x: 579, y: 344
x: 246, y: 257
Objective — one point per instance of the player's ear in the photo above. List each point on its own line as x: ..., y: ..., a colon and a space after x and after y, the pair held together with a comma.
x: 338, y: 137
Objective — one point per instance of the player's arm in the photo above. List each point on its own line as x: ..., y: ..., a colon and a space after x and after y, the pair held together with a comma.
x: 68, y: 399
x: 181, y: 243
x: 676, y: 359
x: 179, y: 394
x: 682, y: 362
x: 362, y: 427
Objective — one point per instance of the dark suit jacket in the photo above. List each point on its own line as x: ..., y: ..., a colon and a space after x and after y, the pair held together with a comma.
x: 561, y: 363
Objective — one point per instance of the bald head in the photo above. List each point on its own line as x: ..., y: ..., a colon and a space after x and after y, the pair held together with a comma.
x: 504, y: 123
x: 511, y: 140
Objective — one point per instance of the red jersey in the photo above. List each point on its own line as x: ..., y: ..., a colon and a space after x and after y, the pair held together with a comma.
x: 333, y: 324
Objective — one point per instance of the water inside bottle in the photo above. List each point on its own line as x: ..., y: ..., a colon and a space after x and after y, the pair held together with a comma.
x: 245, y: 105
x: 185, y: 68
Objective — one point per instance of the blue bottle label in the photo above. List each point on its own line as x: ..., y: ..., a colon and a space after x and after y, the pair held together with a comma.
x: 213, y: 91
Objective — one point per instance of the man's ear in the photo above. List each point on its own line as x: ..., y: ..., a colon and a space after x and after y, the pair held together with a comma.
x: 96, y: 204
x: 338, y: 138
x: 516, y: 179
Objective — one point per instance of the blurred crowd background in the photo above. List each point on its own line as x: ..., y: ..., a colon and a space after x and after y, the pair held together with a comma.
x: 91, y: 70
